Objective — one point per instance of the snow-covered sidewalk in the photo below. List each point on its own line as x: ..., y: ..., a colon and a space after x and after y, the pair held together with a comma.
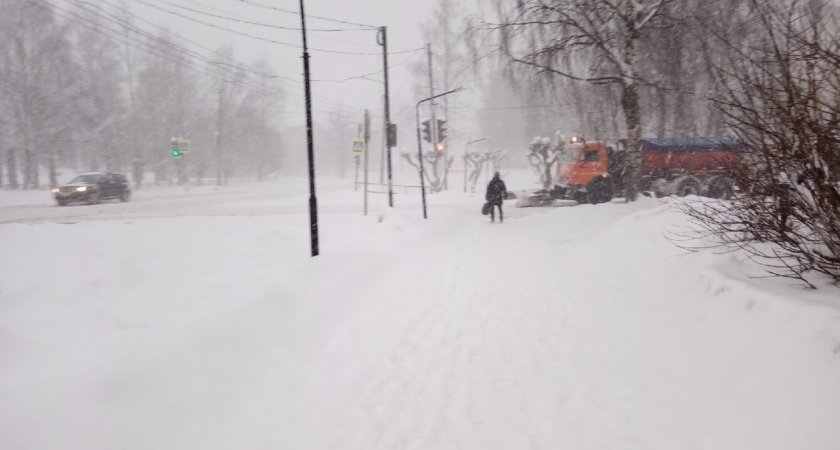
x: 577, y: 328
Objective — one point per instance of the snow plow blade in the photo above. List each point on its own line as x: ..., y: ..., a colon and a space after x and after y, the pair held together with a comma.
x: 540, y: 198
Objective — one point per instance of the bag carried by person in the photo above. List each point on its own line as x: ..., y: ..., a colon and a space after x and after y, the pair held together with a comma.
x: 486, y: 208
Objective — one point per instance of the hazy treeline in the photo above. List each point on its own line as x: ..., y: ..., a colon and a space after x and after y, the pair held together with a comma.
x: 85, y: 88
x: 531, y: 72
x: 579, y: 63
x: 514, y: 57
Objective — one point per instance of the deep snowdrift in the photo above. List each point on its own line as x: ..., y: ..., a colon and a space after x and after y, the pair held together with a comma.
x: 577, y: 328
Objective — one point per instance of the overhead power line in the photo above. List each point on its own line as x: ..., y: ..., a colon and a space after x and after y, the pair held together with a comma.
x: 250, y: 22
x: 127, y: 26
x: 289, y: 11
x: 366, y: 75
x: 228, y: 61
x: 500, y: 108
x: 110, y: 33
x: 184, y: 56
x: 321, y: 33
x: 260, y: 38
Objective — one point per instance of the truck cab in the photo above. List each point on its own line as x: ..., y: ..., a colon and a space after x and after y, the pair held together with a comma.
x: 584, y: 172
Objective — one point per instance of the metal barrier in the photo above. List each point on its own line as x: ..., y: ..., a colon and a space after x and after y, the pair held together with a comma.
x: 384, y: 187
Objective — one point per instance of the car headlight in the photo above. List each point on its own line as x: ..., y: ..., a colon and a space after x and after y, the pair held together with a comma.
x: 55, y: 190
x: 81, y: 188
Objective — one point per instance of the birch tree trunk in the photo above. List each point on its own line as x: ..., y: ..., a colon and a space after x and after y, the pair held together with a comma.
x: 632, y: 111
x: 633, y: 164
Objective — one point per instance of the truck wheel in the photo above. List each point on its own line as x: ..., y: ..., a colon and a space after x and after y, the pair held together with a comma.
x: 688, y: 186
x: 721, y: 188
x: 599, y: 191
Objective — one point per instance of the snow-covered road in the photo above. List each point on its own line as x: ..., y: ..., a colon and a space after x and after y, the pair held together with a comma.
x: 158, y: 202
x: 573, y: 328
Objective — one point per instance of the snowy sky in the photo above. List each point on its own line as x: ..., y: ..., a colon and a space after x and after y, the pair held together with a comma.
x: 402, y: 18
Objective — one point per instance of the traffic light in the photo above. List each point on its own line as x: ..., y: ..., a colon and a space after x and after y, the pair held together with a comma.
x: 427, y: 132
x: 440, y: 148
x: 441, y: 130
x: 392, y: 135
x: 174, y: 150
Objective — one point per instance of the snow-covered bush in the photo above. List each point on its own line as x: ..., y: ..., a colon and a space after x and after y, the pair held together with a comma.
x: 784, y: 103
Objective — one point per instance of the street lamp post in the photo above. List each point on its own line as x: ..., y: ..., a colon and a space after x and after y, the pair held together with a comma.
x: 420, y: 145
x: 466, y: 147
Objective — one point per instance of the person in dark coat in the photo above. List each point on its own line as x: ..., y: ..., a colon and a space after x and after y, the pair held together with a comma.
x: 496, y: 193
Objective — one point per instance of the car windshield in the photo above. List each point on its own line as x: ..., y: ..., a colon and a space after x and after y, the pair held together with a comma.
x: 85, y: 179
x: 590, y: 156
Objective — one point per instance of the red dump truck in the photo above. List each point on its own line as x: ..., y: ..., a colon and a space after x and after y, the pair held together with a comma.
x: 592, y: 172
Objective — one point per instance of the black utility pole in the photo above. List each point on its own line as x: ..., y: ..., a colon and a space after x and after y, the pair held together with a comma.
x: 313, y: 203
x: 420, y: 144
x: 389, y: 132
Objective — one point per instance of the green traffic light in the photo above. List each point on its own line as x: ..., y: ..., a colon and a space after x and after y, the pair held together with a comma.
x: 176, y: 153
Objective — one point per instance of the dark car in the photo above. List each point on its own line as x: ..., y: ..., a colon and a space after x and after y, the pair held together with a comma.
x: 92, y: 188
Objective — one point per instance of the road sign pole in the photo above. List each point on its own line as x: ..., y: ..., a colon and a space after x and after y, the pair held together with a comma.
x: 356, y: 178
x: 367, y: 141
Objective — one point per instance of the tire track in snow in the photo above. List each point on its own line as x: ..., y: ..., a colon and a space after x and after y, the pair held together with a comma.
x: 468, y: 371
x: 417, y: 377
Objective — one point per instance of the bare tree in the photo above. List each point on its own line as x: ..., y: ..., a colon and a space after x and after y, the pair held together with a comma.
x: 83, y: 87
x: 99, y: 99
x: 35, y: 85
x: 543, y: 156
x: 783, y: 101
x: 339, y: 136
x: 541, y: 34
x: 477, y: 160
